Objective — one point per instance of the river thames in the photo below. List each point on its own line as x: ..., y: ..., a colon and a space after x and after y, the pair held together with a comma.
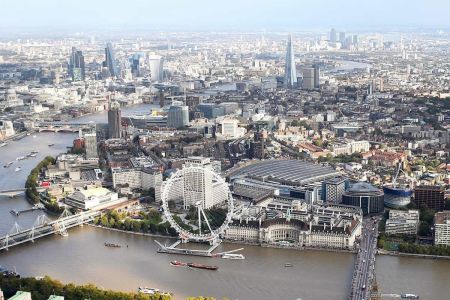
x: 82, y: 258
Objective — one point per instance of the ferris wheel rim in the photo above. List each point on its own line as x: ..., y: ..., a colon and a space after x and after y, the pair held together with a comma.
x: 183, y: 233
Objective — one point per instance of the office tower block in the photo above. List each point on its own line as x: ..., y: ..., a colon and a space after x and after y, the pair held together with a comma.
x: 333, y: 35
x: 430, y: 196
x: 114, y: 121
x: 136, y: 65
x: 311, y: 78
x: 110, y: 60
x: 90, y: 143
x: 76, y: 65
x: 342, y: 37
x: 290, y: 73
x: 178, y: 116
x: 156, y: 64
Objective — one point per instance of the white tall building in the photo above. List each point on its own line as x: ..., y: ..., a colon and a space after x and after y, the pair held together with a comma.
x: 156, y: 64
x: 197, y: 185
x: 442, y: 228
x: 138, y: 178
x: 359, y: 146
x: 230, y: 128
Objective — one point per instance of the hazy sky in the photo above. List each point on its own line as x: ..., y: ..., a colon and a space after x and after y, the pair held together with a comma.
x: 224, y: 14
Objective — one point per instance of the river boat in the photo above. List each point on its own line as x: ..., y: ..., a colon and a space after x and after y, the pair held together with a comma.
x: 17, y: 169
x: 8, y: 164
x: 112, y: 245
x: 152, y: 291
x: 233, y: 256
x: 201, y: 266
x: 21, y: 158
x: 3, y: 144
x: 409, y: 296
x: 288, y: 265
x: 51, y: 145
x: 176, y: 263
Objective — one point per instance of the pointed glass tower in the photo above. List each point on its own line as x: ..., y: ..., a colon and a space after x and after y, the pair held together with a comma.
x: 290, y: 74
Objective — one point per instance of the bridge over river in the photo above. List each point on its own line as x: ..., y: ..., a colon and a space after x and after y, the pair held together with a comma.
x: 43, y: 227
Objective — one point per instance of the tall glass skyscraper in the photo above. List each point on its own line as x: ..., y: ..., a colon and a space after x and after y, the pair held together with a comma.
x: 156, y: 63
x: 76, y: 65
x: 110, y: 60
x: 290, y: 73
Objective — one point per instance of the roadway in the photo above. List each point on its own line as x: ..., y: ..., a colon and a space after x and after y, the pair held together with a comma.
x: 365, y: 261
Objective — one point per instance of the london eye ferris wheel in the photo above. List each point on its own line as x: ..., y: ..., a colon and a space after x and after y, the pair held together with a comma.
x: 198, y: 204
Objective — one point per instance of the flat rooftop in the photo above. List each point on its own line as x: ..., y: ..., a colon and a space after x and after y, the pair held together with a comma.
x: 290, y: 172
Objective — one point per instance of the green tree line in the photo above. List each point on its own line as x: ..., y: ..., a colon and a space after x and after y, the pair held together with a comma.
x: 150, y: 222
x: 31, y: 186
x: 42, y: 289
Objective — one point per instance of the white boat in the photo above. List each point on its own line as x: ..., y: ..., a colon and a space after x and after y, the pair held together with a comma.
x: 33, y: 155
x: 8, y: 164
x: 18, y: 169
x: 233, y: 256
x: 34, y: 136
x: 146, y: 290
x: 409, y: 296
x: 21, y: 158
x: 3, y: 144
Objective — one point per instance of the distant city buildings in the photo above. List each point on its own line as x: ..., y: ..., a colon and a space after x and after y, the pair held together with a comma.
x: 77, y: 69
x: 10, y: 99
x: 110, y: 61
x: 156, y: 63
x: 6, y: 129
x: 333, y: 35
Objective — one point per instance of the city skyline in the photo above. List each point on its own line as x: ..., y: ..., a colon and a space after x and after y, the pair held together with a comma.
x: 234, y: 15
x: 220, y: 132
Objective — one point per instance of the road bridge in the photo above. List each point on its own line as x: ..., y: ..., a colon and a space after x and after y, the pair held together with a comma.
x: 364, y: 270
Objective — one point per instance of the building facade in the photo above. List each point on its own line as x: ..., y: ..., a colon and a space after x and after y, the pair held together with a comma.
x: 442, y: 228
x: 365, y: 196
x: 114, y: 121
x: 90, y: 143
x: 402, y: 222
x: 430, y: 196
x: 178, y: 116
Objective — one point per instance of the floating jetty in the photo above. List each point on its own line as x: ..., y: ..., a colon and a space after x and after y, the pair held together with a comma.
x: 18, y: 212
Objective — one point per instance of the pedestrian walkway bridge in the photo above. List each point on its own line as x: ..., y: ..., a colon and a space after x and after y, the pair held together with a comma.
x: 43, y: 226
x: 13, y: 192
